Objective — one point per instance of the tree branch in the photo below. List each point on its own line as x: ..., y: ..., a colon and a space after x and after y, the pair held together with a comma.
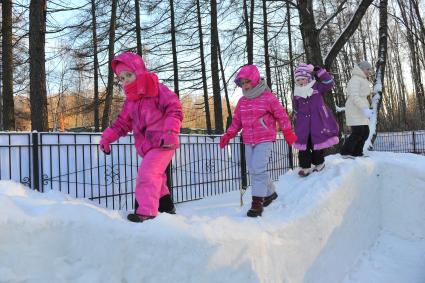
x: 347, y: 33
x: 338, y: 10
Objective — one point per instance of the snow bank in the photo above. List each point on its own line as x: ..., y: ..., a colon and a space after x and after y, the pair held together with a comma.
x: 318, y: 230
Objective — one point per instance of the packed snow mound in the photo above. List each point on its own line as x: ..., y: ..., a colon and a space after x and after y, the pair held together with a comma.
x: 359, y: 220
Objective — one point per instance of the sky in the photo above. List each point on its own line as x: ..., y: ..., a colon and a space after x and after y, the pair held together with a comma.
x: 353, y: 222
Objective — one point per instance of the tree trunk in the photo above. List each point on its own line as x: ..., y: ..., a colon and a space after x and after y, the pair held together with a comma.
x: 38, y: 95
x: 95, y: 67
x: 380, y: 68
x: 203, y: 70
x: 310, y: 33
x: 401, y: 85
x: 138, y: 29
x: 110, y: 86
x: 226, y: 94
x: 174, y: 49
x: 416, y: 74
x: 249, y: 26
x: 266, y: 46
x: 7, y: 67
x: 291, y: 55
x: 214, y: 70
x: 415, y: 6
x: 251, y: 34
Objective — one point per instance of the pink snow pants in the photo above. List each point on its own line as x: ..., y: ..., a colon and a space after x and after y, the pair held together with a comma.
x: 151, y: 183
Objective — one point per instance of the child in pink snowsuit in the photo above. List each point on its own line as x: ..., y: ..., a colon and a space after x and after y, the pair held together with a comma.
x: 256, y: 114
x: 154, y: 114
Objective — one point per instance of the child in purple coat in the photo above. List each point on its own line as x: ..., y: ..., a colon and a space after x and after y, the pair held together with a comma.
x: 315, y: 125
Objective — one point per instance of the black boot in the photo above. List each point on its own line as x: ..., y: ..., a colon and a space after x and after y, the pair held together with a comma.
x: 268, y: 200
x: 256, y: 207
x: 166, y: 205
x: 133, y: 217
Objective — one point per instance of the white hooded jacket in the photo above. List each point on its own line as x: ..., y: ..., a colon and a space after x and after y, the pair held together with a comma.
x: 358, y: 89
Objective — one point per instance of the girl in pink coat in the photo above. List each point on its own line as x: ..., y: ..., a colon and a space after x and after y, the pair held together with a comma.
x: 256, y: 114
x: 154, y: 114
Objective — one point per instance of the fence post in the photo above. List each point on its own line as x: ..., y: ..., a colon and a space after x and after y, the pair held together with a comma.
x: 243, y: 165
x: 414, y: 142
x: 35, y: 163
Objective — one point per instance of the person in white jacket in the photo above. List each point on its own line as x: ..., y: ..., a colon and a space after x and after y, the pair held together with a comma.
x: 357, y: 110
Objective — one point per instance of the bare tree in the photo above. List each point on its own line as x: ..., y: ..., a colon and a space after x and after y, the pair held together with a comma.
x: 174, y: 49
x: 38, y: 95
x: 8, y: 108
x: 203, y: 69
x: 380, y: 68
x: 95, y: 67
x: 110, y: 87
x: 249, y: 28
x: 215, y: 70
x: 266, y: 45
x: 414, y: 60
x: 138, y: 28
x: 291, y: 65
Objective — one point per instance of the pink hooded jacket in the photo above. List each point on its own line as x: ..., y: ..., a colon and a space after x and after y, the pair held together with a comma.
x: 154, y: 115
x: 257, y: 116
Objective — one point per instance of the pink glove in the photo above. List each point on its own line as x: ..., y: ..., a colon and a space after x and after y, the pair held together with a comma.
x: 104, y: 146
x: 224, y: 140
x: 290, y: 137
x: 108, y: 137
x: 169, y: 140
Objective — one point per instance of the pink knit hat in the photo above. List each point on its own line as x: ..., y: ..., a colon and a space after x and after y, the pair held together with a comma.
x: 249, y: 72
x: 303, y: 71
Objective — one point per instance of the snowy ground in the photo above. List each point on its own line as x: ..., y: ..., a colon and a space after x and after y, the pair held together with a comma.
x: 359, y: 220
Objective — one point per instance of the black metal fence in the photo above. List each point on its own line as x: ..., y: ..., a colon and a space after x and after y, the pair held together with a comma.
x: 72, y: 163
x: 408, y: 142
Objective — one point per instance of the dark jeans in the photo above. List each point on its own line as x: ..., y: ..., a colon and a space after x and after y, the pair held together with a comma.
x: 353, y: 145
x: 310, y: 156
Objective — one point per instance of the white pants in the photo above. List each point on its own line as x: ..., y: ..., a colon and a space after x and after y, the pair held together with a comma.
x: 257, y: 157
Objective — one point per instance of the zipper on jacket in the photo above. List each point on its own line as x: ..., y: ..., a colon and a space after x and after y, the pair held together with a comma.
x: 263, y: 123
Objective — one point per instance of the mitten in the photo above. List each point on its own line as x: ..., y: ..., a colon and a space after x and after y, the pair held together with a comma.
x: 367, y: 112
x: 108, y: 137
x: 224, y: 140
x: 104, y: 146
x: 169, y: 140
x: 290, y: 137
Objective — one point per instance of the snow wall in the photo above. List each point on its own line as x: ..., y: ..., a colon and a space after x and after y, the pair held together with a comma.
x: 313, y: 232
x: 365, y: 197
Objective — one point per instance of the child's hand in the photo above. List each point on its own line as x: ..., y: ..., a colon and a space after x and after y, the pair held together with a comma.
x: 290, y: 137
x: 169, y: 140
x: 224, y: 140
x: 104, y: 146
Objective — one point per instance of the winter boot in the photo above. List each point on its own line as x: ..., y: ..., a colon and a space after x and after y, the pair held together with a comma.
x: 268, y: 200
x: 256, y: 207
x: 304, y: 172
x: 319, y: 167
x: 133, y: 217
x: 166, y: 205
